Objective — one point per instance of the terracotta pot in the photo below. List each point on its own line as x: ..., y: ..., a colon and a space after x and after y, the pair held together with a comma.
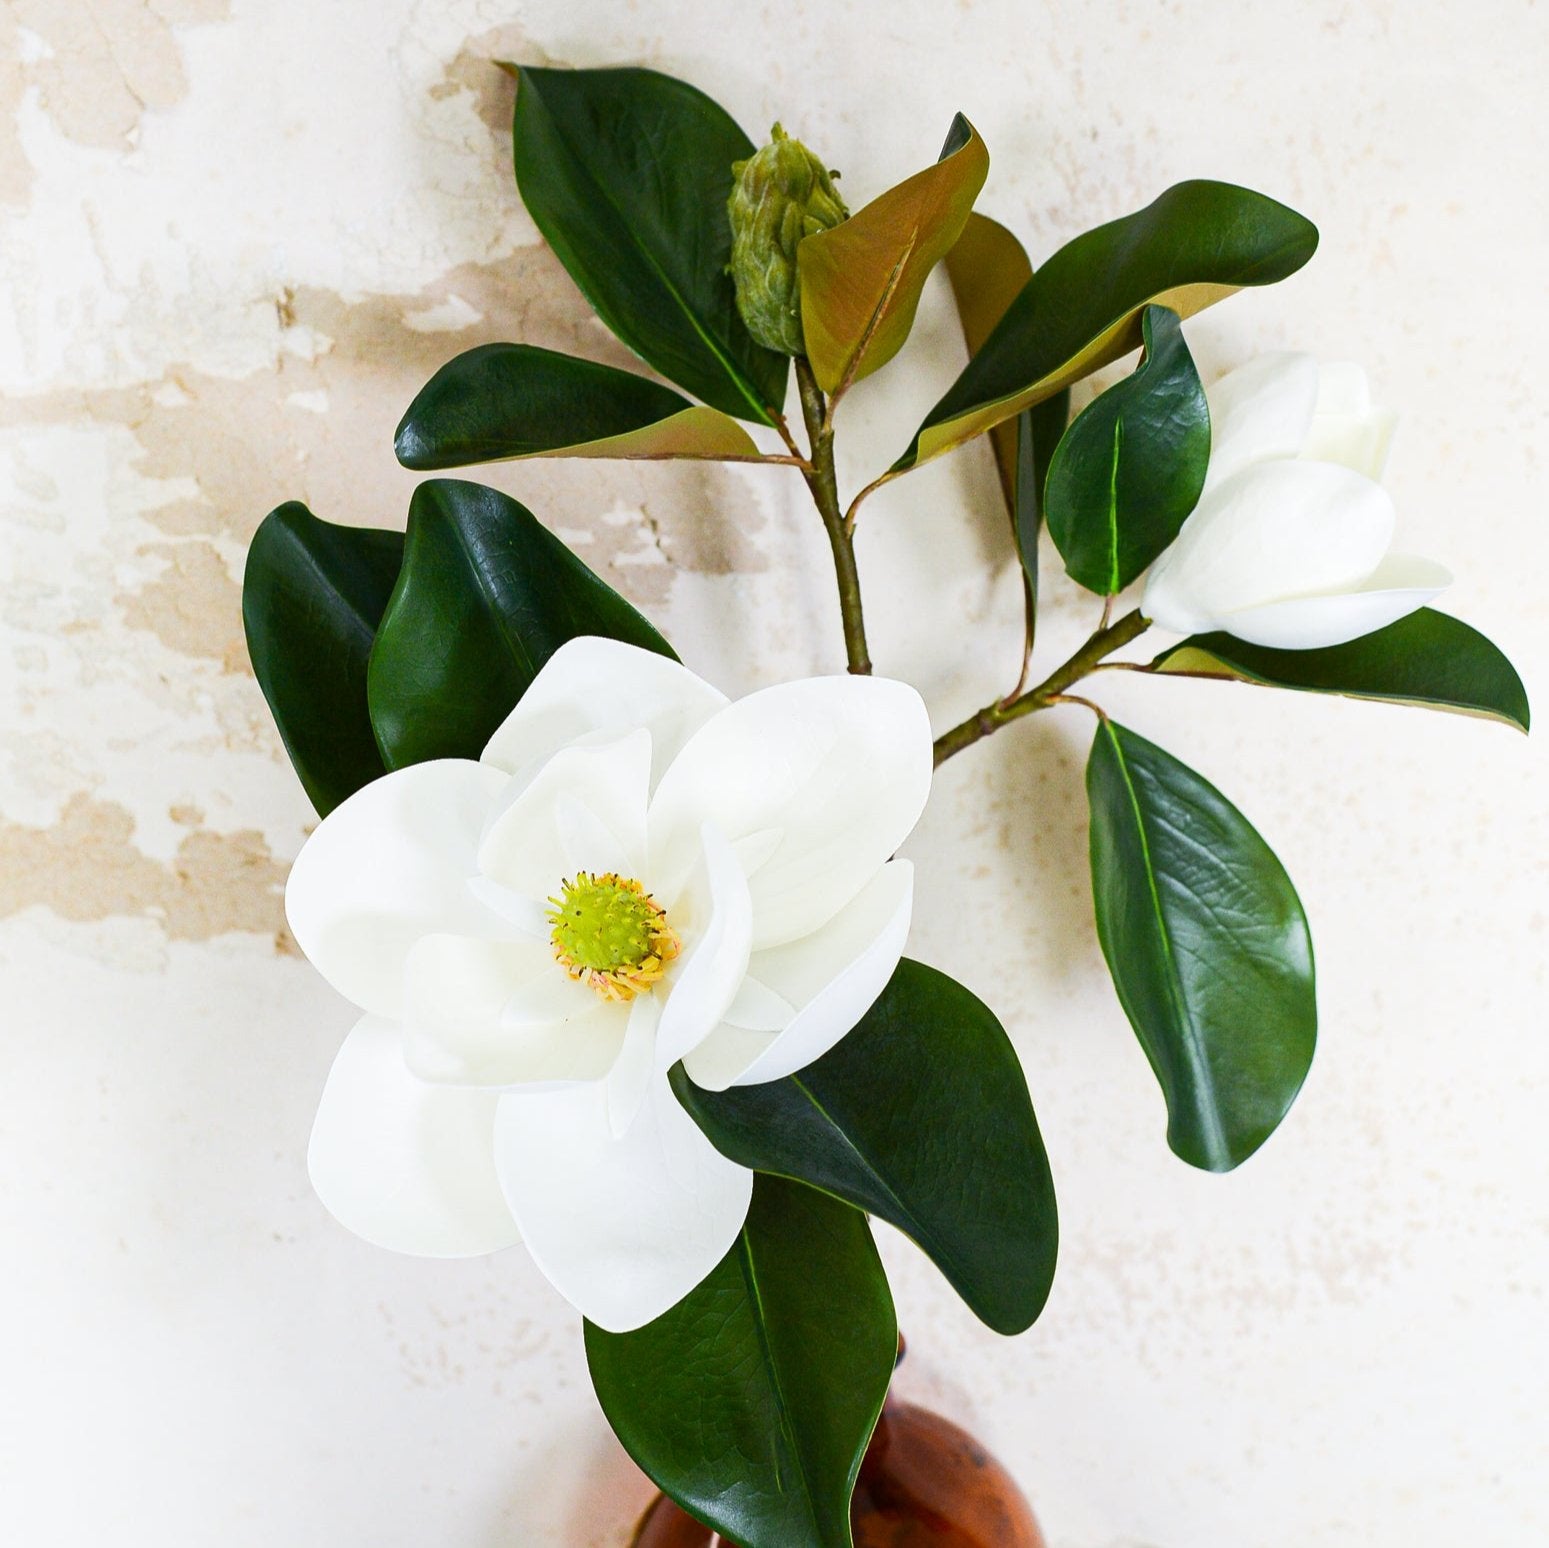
x: 924, y: 1484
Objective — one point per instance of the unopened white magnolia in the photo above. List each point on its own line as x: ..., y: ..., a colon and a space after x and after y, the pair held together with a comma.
x: 636, y: 872
x: 1289, y: 543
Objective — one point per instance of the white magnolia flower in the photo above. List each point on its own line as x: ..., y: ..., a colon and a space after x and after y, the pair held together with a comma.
x: 1288, y: 545
x: 635, y: 872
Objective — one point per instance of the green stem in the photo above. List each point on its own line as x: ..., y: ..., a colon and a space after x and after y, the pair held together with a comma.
x: 993, y: 716
x: 824, y: 485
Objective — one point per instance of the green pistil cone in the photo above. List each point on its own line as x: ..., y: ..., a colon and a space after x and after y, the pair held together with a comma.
x: 782, y: 194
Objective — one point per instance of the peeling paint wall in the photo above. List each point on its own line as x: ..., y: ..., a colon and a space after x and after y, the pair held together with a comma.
x: 236, y: 236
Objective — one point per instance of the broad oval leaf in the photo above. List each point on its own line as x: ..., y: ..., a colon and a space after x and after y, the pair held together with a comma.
x: 486, y: 595
x: 1195, y: 245
x: 1130, y: 469
x: 1207, y: 944
x: 861, y: 280
x: 312, y: 596
x: 752, y: 1401
x: 627, y: 173
x: 499, y: 402
x: 921, y: 1116
x: 1428, y: 658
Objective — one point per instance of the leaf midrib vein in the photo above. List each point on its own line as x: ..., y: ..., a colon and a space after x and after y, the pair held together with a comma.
x: 725, y: 360
x: 787, y: 1428
x: 1215, y: 1137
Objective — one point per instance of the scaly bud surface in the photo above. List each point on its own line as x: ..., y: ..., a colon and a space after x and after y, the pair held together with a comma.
x: 782, y: 194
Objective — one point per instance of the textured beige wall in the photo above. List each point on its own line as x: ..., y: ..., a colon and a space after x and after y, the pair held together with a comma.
x: 235, y: 235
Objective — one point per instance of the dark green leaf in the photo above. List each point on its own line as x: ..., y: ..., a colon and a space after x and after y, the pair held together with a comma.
x: 487, y: 594
x: 1427, y: 658
x: 312, y: 597
x: 1195, y: 245
x: 1038, y: 432
x: 1207, y: 944
x: 503, y: 401
x: 1131, y: 467
x: 752, y: 1401
x: 627, y: 174
x: 921, y: 1116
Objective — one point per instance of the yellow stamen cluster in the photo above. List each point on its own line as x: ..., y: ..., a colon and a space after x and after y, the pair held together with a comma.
x: 610, y: 934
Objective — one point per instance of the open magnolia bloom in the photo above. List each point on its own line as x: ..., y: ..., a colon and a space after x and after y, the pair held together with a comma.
x: 1288, y: 545
x: 636, y: 872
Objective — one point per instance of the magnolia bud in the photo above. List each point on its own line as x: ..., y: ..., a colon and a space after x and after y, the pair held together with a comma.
x: 782, y: 194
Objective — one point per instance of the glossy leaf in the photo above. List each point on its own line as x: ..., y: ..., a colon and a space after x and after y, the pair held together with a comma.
x: 1207, y: 944
x: 987, y: 269
x: 861, y: 280
x: 1427, y: 658
x: 1130, y: 469
x: 921, y: 1116
x: 1195, y: 245
x: 626, y: 173
x: 312, y: 597
x: 752, y: 1401
x: 486, y: 595
x: 504, y: 401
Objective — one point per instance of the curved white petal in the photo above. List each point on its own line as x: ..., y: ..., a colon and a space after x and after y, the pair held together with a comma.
x: 499, y: 1013
x: 623, y: 1226
x: 1274, y: 531
x: 1343, y: 391
x: 584, y: 810
x: 830, y: 980
x: 593, y: 686
x: 629, y: 1081
x: 1261, y: 410
x: 407, y: 1166
x: 389, y: 865
x: 1345, y: 427
x: 1401, y: 584
x: 838, y: 767
x: 715, y: 913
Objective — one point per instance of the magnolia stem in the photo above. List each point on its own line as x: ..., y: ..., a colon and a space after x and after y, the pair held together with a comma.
x: 1049, y: 692
x: 1029, y: 635
x: 871, y: 488
x: 821, y: 480
x: 790, y: 440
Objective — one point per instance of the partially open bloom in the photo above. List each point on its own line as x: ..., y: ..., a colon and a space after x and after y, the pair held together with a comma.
x: 1288, y: 545
x: 636, y: 872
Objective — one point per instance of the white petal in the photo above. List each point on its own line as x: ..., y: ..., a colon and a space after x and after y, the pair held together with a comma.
x: 839, y: 766
x: 1343, y: 391
x: 629, y: 1081
x: 1401, y: 584
x: 715, y: 912
x: 1346, y: 428
x: 1276, y: 530
x: 831, y: 978
x: 758, y: 1008
x: 583, y: 811
x: 495, y: 1013
x: 624, y: 1227
x: 592, y: 685
x: 387, y: 866
x: 1260, y: 410
x: 407, y: 1166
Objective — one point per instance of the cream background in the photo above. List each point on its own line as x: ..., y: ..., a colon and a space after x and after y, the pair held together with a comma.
x: 235, y: 235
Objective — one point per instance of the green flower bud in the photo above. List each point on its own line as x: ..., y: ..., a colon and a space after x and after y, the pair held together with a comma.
x: 782, y: 194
